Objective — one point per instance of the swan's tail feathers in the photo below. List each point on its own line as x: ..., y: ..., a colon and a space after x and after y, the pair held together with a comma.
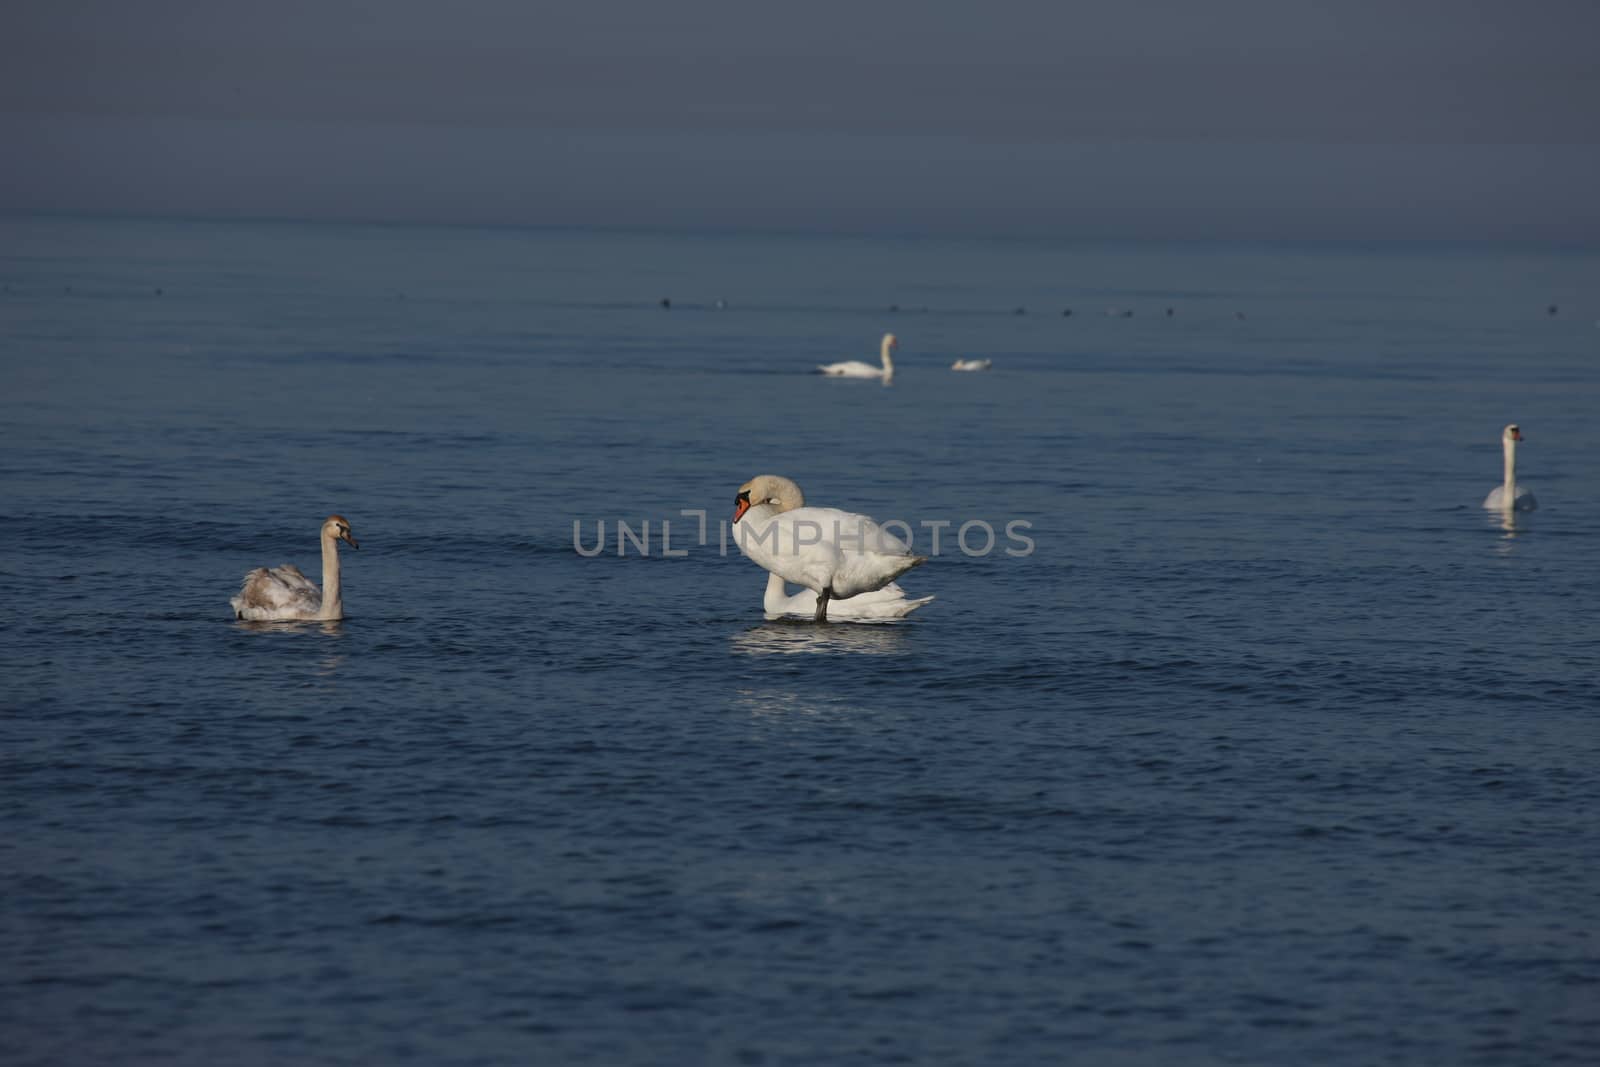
x: 908, y: 562
x: 247, y: 590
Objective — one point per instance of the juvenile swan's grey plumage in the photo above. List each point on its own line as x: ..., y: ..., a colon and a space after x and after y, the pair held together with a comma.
x: 283, y: 593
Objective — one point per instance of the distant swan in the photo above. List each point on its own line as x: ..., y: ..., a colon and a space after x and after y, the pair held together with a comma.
x: 1509, y: 496
x: 833, y: 553
x: 880, y: 605
x: 856, y: 369
x: 971, y: 364
x: 283, y: 593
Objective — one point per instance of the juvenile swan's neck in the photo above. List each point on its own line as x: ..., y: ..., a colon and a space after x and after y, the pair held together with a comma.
x: 888, y: 359
x: 1510, y: 490
x: 332, y: 603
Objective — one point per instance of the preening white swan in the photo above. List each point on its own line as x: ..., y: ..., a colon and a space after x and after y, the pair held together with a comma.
x: 283, y: 593
x: 833, y: 553
x: 880, y: 605
x: 1509, y: 496
x: 856, y: 369
x: 971, y: 364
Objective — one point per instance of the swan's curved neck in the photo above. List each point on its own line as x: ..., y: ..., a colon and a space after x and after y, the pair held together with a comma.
x: 775, y: 598
x: 785, y: 492
x: 1510, y: 491
x: 888, y: 357
x: 332, y: 602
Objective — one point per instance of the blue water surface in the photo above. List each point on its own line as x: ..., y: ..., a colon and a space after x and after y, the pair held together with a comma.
x: 1269, y: 745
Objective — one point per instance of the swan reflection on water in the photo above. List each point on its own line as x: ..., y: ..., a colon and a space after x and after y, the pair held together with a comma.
x: 1506, y: 520
x: 778, y: 705
x: 326, y: 627
x: 790, y: 636
x: 329, y: 665
x: 334, y: 657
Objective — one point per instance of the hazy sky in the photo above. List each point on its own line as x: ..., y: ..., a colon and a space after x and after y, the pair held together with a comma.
x: 1228, y: 118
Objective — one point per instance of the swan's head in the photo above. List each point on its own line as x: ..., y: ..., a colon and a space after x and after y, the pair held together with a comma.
x: 772, y: 489
x: 338, y: 527
x: 1512, y: 433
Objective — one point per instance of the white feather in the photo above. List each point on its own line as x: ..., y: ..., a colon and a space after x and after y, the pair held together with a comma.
x: 880, y: 605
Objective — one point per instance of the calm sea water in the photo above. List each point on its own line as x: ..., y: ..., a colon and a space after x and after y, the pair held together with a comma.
x: 1276, y: 748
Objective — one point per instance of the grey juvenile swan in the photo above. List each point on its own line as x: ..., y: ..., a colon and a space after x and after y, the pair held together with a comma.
x: 283, y: 593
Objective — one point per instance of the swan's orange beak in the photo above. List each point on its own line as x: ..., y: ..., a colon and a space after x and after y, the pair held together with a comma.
x: 1516, y: 435
x: 348, y: 538
x: 741, y: 504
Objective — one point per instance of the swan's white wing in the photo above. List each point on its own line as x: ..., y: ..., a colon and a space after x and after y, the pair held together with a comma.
x: 862, y: 573
x: 889, y: 594
x: 867, y: 557
x: 770, y: 544
x: 851, y: 369
x: 879, y: 605
x: 850, y: 531
x: 1497, y: 499
x: 277, y: 593
x: 889, y: 602
x: 822, y: 548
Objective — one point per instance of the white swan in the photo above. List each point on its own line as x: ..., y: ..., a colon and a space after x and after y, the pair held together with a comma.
x: 856, y: 369
x: 880, y: 605
x: 283, y: 593
x: 833, y: 553
x: 1510, y: 497
x: 971, y: 364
